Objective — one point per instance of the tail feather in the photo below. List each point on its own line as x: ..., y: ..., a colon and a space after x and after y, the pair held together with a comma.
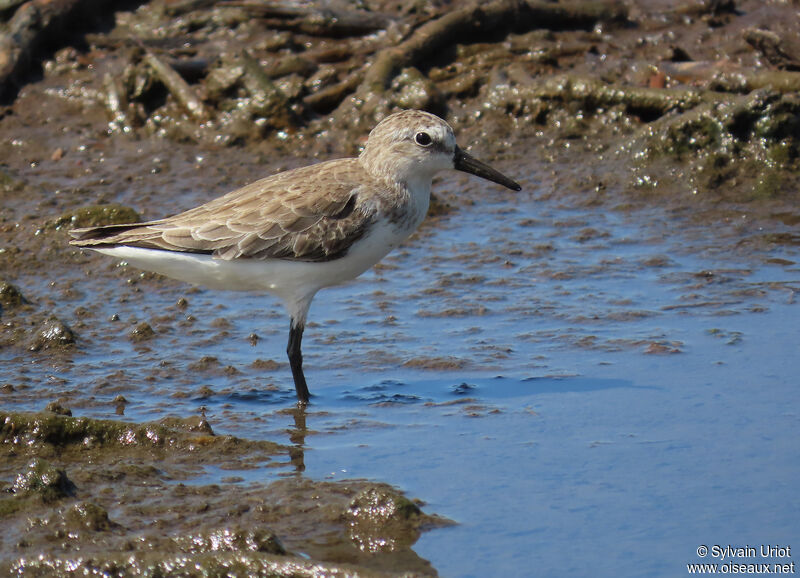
x: 143, y: 235
x: 111, y: 235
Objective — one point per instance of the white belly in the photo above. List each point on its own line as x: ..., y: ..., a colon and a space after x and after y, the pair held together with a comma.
x: 295, y: 282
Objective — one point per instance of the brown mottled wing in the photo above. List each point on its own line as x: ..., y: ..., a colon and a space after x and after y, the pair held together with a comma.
x: 313, y: 213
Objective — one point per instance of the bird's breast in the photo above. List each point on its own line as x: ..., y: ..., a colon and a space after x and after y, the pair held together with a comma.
x: 384, y: 235
x: 408, y: 208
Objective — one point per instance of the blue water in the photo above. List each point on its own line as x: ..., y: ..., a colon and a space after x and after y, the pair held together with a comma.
x: 623, y: 471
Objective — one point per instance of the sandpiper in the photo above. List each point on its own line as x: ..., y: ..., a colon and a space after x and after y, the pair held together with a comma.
x: 293, y: 233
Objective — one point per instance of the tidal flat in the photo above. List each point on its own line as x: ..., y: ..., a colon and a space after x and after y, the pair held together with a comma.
x: 594, y: 376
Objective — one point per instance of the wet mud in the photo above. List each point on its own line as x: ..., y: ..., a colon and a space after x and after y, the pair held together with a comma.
x: 626, y: 122
x: 118, y: 498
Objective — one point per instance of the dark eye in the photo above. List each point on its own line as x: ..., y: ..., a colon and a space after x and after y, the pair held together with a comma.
x: 423, y: 139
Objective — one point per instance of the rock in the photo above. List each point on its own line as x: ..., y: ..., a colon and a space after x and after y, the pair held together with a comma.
x: 58, y: 409
x: 195, y: 423
x: 94, y: 216
x: 10, y: 295
x: 142, y: 332
x: 45, y: 480
x: 53, y: 334
x: 379, y: 506
x: 412, y: 89
x: 235, y: 540
x: 383, y: 520
x: 87, y: 516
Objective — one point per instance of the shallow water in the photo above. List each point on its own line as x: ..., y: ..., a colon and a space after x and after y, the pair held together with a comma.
x: 584, y: 390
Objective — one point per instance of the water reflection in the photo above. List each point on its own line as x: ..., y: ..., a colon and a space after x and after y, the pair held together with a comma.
x: 297, y: 437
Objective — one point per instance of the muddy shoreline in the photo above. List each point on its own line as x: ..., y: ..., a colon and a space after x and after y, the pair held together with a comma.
x: 691, y: 107
x: 114, y: 497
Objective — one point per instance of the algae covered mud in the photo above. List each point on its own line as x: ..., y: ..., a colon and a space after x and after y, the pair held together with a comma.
x: 121, y: 507
x: 604, y: 363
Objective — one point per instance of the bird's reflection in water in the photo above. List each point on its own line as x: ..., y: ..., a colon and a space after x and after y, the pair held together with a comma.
x: 297, y: 437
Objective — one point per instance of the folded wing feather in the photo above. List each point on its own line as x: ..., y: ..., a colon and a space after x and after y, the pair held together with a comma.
x: 309, y: 214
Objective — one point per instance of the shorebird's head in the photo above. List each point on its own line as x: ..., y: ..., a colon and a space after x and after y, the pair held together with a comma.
x: 411, y: 146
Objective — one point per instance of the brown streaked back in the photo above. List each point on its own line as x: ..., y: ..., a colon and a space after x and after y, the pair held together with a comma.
x: 313, y: 213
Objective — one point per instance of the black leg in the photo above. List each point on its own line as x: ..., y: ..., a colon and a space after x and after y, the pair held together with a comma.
x: 296, y: 361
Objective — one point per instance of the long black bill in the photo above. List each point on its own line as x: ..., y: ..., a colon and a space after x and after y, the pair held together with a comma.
x: 464, y: 162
